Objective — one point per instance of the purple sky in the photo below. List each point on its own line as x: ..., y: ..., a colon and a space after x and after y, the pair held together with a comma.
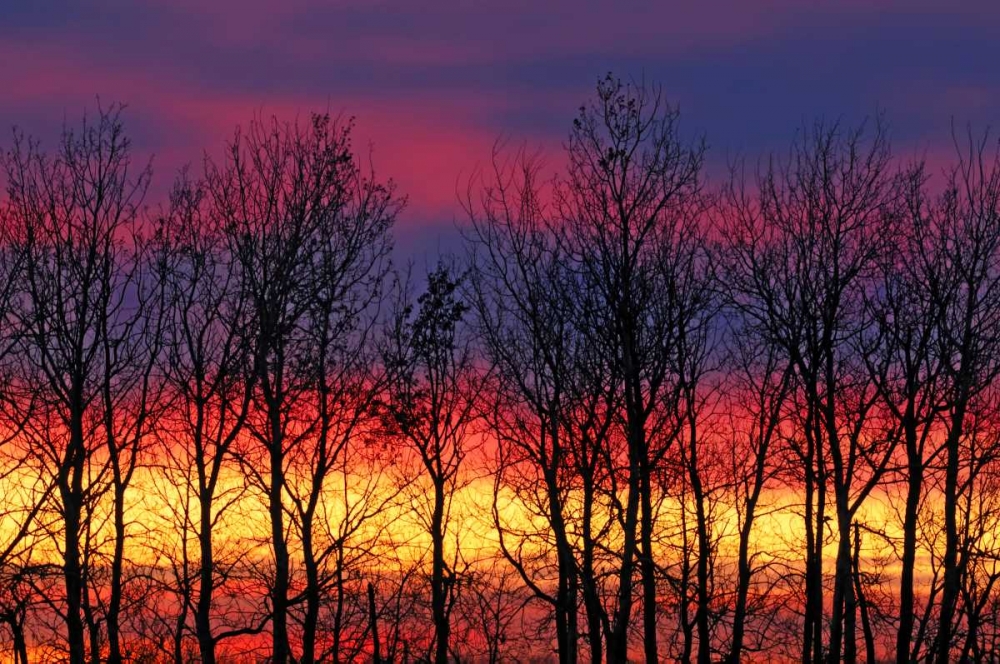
x: 434, y: 84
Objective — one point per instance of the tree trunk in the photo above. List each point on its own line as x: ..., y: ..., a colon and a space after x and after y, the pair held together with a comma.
x: 117, y: 563
x: 815, y: 520
x: 687, y: 625
x: 71, y: 491
x: 866, y: 624
x: 439, y: 591
x: 743, y: 556
x: 618, y: 644
x: 373, y: 622
x: 843, y: 623
x: 338, y: 611
x: 647, y: 567
x: 952, y: 578
x: 591, y: 599
x: 704, y: 550
x: 203, y: 609
x: 638, y: 492
x: 20, y: 643
x: 565, y: 605
x: 909, y: 558
x: 742, y: 589
x: 312, y: 593
x: 279, y: 593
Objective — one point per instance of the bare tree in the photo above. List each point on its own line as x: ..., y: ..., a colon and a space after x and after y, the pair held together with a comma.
x: 595, y: 313
x: 431, y: 404
x: 519, y: 283
x: 629, y: 211
x: 978, y: 555
x: 205, y: 364
x: 806, y: 251
x: 25, y: 492
x: 309, y: 237
x: 346, y: 290
x: 756, y: 407
x: 275, y: 190
x: 969, y: 234
x: 82, y: 332
x: 907, y: 370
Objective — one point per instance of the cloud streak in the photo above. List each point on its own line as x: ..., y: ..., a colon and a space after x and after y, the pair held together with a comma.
x: 435, y: 84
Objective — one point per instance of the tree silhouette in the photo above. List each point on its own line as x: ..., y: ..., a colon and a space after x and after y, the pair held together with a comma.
x: 84, y: 337
x: 640, y: 417
x: 431, y: 403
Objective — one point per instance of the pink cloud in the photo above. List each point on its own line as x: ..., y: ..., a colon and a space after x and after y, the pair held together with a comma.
x: 425, y: 149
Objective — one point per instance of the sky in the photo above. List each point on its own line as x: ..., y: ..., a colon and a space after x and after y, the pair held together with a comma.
x: 434, y: 85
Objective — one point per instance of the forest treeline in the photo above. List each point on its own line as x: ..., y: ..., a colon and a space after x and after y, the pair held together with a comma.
x: 636, y: 418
